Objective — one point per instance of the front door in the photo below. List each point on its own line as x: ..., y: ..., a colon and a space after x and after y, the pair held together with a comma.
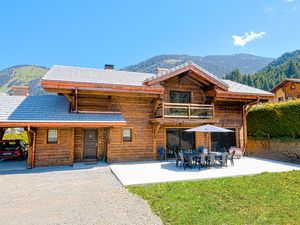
x: 90, y: 143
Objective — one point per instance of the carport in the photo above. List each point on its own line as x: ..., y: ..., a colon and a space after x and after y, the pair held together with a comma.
x: 10, y: 104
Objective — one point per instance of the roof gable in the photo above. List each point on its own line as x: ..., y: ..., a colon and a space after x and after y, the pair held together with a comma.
x: 189, y: 66
x: 284, y: 82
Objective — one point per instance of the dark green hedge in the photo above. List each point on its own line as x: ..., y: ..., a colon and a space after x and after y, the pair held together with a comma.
x: 275, y: 120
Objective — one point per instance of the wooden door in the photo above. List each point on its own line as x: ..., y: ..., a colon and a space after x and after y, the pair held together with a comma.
x: 90, y: 143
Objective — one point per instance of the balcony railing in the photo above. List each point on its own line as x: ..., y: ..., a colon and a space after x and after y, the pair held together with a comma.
x: 188, y: 111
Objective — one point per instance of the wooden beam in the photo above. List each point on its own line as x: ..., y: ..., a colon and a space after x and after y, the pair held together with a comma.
x: 47, y: 84
x: 246, y: 109
x: 72, y: 146
x: 2, y: 132
x: 156, y: 130
x: 108, y: 140
x: 157, y: 102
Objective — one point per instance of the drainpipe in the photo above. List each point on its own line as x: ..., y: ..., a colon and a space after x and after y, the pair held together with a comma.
x: 246, y: 109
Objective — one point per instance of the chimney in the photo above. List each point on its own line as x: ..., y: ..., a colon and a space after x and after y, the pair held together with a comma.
x: 20, y: 90
x: 160, y: 70
x: 108, y: 67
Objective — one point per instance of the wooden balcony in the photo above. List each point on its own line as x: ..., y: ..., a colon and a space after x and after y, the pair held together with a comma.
x: 184, y: 111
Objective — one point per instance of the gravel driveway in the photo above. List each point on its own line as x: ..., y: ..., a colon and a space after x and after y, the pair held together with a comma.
x: 65, y: 196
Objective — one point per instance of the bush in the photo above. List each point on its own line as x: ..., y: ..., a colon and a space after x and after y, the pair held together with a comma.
x: 275, y: 120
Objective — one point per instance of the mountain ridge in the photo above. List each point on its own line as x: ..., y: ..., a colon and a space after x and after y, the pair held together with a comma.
x: 31, y: 75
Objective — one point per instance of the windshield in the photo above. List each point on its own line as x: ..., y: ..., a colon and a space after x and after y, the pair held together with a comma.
x: 11, y: 145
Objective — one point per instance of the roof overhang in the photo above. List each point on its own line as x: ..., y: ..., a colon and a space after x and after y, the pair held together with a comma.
x: 198, y: 71
x: 247, y: 96
x: 16, y: 123
x: 67, y: 86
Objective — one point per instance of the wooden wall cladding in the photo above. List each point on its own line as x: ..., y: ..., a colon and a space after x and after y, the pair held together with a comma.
x: 53, y: 154
x: 174, y: 84
x: 137, y: 112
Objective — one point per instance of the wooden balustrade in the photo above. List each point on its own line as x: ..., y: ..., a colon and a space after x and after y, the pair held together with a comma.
x: 185, y: 110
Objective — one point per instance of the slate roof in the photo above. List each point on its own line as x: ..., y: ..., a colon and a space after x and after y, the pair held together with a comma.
x: 47, y: 108
x: 184, y: 65
x: 88, y: 75
x: 8, y: 105
x: 241, y: 88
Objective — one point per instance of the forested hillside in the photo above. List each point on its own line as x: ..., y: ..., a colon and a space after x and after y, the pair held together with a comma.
x: 286, y: 66
x: 22, y: 75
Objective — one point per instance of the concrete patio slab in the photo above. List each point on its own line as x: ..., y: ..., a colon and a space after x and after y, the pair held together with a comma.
x: 12, y: 165
x: 158, y: 172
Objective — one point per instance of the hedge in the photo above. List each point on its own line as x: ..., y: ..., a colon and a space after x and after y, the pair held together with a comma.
x: 275, y: 120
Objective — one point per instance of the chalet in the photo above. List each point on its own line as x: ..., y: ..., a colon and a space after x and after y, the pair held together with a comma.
x: 287, y: 89
x: 112, y: 115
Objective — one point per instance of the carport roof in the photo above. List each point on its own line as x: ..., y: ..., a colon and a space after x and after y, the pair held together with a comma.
x: 49, y: 109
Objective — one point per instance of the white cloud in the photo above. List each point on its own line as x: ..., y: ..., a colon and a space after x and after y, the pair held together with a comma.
x: 247, y: 37
x: 289, y: 0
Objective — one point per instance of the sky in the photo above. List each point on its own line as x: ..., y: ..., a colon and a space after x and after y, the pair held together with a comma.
x: 90, y: 33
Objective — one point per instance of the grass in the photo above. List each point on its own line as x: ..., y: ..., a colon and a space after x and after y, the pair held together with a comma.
x: 268, y: 198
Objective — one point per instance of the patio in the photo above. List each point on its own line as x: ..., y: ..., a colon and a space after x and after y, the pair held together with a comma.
x: 135, y: 173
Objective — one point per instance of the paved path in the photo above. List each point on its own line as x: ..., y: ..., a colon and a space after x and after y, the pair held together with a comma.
x: 60, y: 195
x: 156, y: 172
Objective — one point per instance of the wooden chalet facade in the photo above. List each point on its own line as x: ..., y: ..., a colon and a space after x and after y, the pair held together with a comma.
x: 124, y: 116
x: 287, y: 89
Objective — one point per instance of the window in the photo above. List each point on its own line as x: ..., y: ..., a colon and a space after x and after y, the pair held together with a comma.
x: 127, y: 134
x: 52, y: 136
x: 180, y: 97
x: 223, y: 140
x: 280, y: 99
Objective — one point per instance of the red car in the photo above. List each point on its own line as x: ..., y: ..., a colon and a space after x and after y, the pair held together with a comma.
x: 13, y: 149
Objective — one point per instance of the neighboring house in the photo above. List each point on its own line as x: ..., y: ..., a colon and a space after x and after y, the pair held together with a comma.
x: 125, y: 116
x: 287, y: 89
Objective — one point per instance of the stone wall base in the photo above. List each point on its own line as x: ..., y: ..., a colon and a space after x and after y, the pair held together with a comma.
x: 277, y: 150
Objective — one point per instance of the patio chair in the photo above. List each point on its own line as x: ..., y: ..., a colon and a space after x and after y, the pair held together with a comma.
x: 202, y: 160
x: 211, y: 158
x: 185, y: 162
x: 161, y: 152
x: 195, y: 152
x: 201, y: 149
x: 223, y: 161
x: 185, y: 151
x: 231, y: 158
x: 177, y: 158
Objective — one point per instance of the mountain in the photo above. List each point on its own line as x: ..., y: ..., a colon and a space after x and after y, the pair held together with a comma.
x: 219, y: 65
x: 285, y: 66
x: 22, y: 75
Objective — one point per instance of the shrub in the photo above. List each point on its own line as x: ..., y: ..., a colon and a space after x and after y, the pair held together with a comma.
x: 275, y: 120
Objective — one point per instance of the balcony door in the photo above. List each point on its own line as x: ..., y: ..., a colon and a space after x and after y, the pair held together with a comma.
x: 179, y: 97
x: 178, y: 139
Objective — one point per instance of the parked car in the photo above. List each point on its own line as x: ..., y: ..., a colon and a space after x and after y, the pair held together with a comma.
x: 13, y: 149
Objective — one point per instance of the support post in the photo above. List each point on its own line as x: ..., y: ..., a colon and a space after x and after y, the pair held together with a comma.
x: 246, y: 109
x: 72, y: 146
x: 108, y: 138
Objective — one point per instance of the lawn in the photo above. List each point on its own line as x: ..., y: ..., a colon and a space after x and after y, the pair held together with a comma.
x: 268, y: 198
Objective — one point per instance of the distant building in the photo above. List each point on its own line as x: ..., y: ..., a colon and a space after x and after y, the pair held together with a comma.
x: 287, y: 89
